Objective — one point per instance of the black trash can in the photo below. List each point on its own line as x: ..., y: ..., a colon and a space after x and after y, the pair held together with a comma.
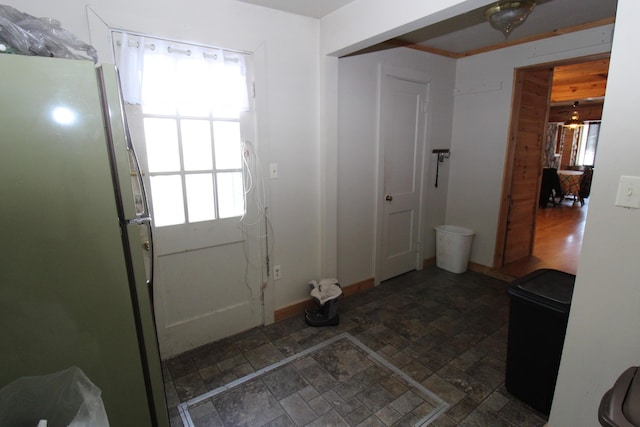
x: 620, y: 406
x: 539, y: 310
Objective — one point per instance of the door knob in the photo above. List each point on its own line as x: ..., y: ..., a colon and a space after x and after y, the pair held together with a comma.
x: 388, y: 198
x: 146, y: 245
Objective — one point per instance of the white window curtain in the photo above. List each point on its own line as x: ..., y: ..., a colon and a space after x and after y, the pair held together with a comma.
x: 160, y: 75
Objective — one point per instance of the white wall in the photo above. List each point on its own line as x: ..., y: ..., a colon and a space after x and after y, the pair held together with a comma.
x: 360, y: 24
x: 287, y: 78
x: 602, y: 337
x: 482, y: 109
x: 358, y: 152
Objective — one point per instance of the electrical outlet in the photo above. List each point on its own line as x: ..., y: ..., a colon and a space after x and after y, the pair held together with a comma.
x: 273, y: 170
x: 277, y: 273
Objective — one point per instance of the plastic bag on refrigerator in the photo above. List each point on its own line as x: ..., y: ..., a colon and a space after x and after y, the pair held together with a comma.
x: 64, y: 398
x: 41, y: 36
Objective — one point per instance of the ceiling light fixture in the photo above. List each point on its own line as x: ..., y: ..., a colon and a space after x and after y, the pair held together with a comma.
x: 574, y: 121
x: 507, y: 15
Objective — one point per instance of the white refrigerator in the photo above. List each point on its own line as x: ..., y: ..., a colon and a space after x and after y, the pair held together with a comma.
x: 73, y: 285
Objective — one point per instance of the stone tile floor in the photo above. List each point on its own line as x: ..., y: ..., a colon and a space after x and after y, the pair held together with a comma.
x: 337, y: 382
x: 447, y: 331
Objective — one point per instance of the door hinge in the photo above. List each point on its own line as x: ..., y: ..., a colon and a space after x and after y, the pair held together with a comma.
x: 253, y: 89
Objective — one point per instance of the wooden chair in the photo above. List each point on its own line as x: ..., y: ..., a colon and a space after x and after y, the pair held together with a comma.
x: 585, y: 182
x: 550, y: 187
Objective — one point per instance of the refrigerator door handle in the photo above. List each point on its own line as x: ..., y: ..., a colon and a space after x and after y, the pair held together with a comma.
x: 148, y: 245
x: 136, y: 163
x: 137, y: 171
x: 143, y: 217
x: 140, y: 220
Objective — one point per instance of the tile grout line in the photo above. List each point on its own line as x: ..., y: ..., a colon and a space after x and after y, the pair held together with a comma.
x: 429, y: 418
x: 441, y: 407
x: 183, y: 408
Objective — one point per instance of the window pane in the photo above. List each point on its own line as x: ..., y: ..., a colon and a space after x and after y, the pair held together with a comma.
x: 166, y: 193
x: 229, y: 88
x: 193, y: 82
x: 226, y: 137
x: 200, y: 197
x: 196, y: 145
x: 591, y: 144
x: 161, y: 137
x: 230, y: 194
x: 158, y: 85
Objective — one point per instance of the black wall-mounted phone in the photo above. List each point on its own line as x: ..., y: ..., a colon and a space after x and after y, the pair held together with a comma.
x: 443, y: 153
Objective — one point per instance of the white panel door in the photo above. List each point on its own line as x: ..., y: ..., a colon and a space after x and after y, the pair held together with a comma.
x: 193, y: 126
x: 402, y: 137
x: 208, y: 276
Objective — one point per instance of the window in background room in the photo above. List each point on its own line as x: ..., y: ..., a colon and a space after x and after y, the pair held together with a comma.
x: 588, y: 144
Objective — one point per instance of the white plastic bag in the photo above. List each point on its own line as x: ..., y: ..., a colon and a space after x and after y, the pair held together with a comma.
x: 42, y: 37
x: 326, y: 290
x: 64, y: 398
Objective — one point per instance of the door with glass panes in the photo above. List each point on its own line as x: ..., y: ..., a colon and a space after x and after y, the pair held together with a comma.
x: 193, y: 128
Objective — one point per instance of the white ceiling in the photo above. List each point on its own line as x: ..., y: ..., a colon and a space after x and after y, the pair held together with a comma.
x: 312, y: 8
x: 471, y: 31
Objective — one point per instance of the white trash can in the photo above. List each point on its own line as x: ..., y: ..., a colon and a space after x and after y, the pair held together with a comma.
x: 453, y: 246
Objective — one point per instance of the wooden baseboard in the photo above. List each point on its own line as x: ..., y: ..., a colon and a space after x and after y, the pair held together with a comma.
x: 293, y: 310
x: 488, y: 271
x: 358, y: 287
x: 298, y: 308
x: 478, y: 268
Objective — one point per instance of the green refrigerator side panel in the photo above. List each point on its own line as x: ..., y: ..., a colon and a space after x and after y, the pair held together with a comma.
x: 126, y: 174
x: 65, y: 296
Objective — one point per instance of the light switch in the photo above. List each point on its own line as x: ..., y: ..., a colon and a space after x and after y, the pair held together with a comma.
x: 629, y: 192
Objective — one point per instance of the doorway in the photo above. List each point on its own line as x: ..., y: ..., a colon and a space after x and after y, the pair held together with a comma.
x: 517, y: 237
x: 557, y: 242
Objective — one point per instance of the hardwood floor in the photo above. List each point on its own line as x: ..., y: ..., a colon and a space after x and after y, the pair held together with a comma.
x: 558, y: 240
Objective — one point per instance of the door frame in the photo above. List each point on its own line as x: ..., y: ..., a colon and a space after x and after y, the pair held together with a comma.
x: 503, y: 215
x: 520, y: 75
x: 415, y: 76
